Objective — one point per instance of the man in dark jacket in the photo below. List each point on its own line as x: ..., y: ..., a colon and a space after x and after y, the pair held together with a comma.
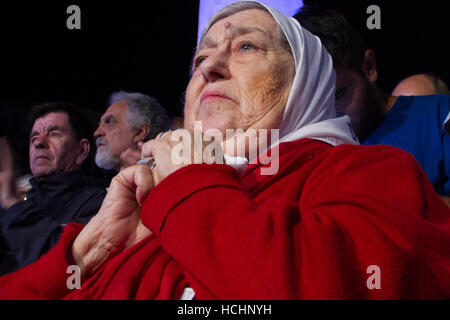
x: 60, y: 193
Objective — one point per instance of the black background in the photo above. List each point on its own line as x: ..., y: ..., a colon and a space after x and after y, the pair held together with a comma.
x: 414, y: 36
x: 147, y: 47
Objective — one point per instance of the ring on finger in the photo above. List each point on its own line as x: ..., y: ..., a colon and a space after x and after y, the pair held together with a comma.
x: 149, y: 162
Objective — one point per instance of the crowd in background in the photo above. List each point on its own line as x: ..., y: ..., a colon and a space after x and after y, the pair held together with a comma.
x: 65, y: 182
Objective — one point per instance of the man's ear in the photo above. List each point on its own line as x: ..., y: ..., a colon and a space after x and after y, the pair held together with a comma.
x: 85, y: 147
x: 369, y: 66
x: 142, y: 133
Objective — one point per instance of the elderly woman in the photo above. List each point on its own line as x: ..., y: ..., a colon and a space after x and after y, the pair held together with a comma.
x: 335, y: 220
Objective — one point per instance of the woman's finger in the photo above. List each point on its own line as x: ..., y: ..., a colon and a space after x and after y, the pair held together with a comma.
x: 138, y: 178
x: 148, y: 147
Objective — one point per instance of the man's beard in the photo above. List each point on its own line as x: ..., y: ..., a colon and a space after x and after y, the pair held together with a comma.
x: 104, y: 157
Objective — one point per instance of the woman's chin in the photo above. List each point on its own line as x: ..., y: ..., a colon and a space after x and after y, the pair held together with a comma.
x: 213, y: 124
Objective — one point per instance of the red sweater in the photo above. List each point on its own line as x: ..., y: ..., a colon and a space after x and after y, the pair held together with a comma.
x: 312, y: 231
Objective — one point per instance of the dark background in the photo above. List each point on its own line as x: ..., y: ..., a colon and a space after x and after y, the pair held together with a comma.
x: 147, y: 47
x: 414, y: 36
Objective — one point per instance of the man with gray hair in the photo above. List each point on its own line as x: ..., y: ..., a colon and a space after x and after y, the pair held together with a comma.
x: 131, y: 118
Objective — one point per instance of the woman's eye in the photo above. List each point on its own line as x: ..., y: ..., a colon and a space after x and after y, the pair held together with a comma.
x: 246, y: 47
x: 199, y: 60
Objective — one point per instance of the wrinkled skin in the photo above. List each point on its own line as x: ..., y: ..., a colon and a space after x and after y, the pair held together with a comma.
x: 242, y: 77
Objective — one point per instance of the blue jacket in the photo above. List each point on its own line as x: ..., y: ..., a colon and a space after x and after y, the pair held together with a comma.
x: 416, y: 124
x: 33, y: 226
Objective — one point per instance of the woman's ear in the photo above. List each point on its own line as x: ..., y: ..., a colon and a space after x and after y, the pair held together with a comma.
x: 85, y: 147
x: 142, y: 133
x: 369, y: 66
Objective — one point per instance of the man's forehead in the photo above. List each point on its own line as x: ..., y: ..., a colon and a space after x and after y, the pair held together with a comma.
x: 52, y: 119
x: 116, y: 110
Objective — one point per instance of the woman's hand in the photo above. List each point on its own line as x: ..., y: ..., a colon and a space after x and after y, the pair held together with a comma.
x: 117, y: 225
x: 173, y: 150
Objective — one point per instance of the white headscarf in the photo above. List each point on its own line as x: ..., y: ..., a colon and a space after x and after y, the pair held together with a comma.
x: 310, y: 111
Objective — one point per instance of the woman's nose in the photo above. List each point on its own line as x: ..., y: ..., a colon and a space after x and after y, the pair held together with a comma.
x: 216, y: 67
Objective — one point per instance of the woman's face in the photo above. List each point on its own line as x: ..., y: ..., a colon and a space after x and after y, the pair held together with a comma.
x: 242, y: 75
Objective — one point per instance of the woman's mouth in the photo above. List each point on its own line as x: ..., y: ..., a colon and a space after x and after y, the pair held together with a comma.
x: 213, y: 94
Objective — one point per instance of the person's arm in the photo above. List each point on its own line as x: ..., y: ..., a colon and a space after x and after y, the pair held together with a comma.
x: 47, y: 277
x: 116, y: 227
x: 321, y: 246
x: 30, y: 231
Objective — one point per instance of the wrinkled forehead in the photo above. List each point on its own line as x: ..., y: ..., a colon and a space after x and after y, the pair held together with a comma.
x: 239, y: 23
x: 59, y: 119
x: 117, y: 109
x: 119, y: 106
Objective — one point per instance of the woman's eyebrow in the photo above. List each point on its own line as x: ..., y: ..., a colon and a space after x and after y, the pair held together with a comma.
x: 206, y: 43
x: 239, y: 30
x: 235, y: 31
